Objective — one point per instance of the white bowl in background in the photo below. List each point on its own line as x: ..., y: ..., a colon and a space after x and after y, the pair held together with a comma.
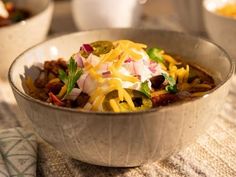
x: 190, y: 15
x: 16, y: 38
x: 94, y: 14
x: 220, y: 29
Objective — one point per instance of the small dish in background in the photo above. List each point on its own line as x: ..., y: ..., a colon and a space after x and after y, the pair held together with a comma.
x: 17, y: 37
x: 220, y: 28
x: 189, y: 13
x: 94, y: 14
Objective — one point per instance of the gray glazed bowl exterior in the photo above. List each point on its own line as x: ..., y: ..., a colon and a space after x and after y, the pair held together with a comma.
x: 125, y: 139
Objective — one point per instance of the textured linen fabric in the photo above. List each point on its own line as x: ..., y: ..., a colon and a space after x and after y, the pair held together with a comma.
x: 18, y: 150
x: 3, y: 168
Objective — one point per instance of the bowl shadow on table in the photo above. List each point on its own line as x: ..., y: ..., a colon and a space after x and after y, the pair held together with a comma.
x: 54, y: 163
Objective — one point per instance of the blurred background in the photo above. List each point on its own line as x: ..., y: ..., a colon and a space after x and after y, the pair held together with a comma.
x: 211, y: 19
x: 154, y: 14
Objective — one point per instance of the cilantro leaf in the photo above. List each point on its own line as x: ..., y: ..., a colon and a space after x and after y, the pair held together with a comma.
x: 170, y: 79
x: 63, y: 76
x: 145, y: 89
x: 73, y: 75
x: 155, y: 55
x: 171, y: 87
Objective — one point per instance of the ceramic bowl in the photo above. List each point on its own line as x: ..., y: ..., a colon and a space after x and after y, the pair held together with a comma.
x: 94, y: 14
x: 124, y: 139
x: 220, y: 29
x: 16, y: 38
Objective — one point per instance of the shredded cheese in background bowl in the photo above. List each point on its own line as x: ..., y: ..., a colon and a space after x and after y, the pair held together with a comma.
x: 228, y: 10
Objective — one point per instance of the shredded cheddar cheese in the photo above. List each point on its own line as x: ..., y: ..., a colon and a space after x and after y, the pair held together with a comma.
x: 119, y: 76
x: 62, y: 91
x: 202, y: 86
x: 170, y: 59
x: 163, y: 66
x: 95, y: 75
x: 114, y: 105
x: 54, y: 80
x: 118, y: 64
x: 123, y: 77
x: 198, y: 94
x: 158, y: 93
x: 128, y: 99
x: 130, y: 44
x: 98, y: 102
x: 228, y: 10
x: 123, y: 57
x: 98, y: 91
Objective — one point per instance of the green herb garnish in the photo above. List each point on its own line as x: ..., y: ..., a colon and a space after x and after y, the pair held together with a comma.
x: 74, y: 72
x: 170, y: 79
x: 171, y: 87
x: 145, y: 89
x: 155, y: 55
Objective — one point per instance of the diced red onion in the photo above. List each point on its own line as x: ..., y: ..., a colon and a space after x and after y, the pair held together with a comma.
x: 93, y: 59
x: 152, y: 69
x: 128, y: 60
x: 129, y: 67
x: 88, y: 106
x: 138, y: 67
x: 79, y: 61
x: 81, y: 80
x: 106, y: 74
x: 73, y: 94
x: 87, y: 48
x: 86, y: 83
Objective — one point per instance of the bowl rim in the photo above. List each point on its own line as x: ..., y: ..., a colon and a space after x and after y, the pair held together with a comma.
x: 72, y: 110
x: 50, y: 3
x: 223, y: 17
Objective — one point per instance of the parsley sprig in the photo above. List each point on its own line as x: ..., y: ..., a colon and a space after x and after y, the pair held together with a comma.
x: 74, y: 72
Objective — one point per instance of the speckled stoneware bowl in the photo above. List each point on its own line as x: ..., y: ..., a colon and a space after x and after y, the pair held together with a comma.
x: 125, y: 139
x: 16, y: 38
x: 220, y: 29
